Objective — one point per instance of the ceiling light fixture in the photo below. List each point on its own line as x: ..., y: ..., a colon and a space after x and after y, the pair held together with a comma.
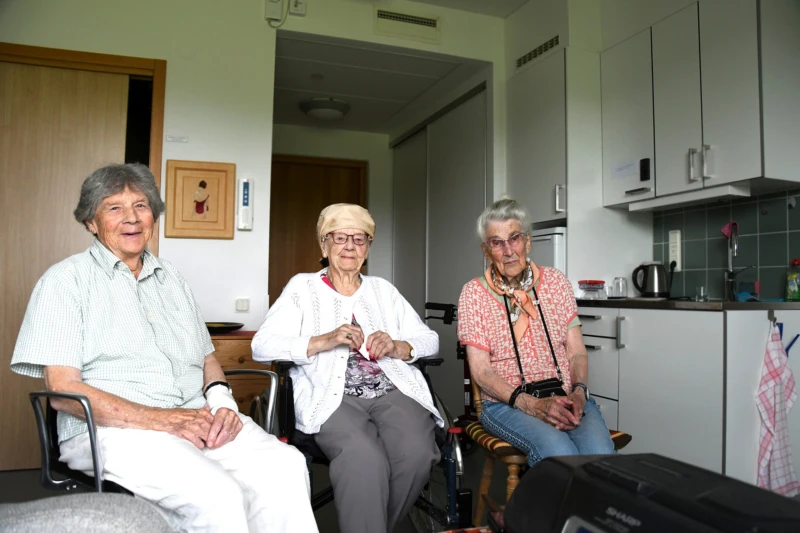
x: 325, y: 108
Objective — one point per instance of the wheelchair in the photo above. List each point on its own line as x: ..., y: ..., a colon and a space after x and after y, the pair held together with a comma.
x: 262, y: 411
x: 445, y: 502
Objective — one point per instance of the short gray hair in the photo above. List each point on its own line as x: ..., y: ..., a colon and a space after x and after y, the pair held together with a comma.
x: 501, y: 211
x: 112, y: 179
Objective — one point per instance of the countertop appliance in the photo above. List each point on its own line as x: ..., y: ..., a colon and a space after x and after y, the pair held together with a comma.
x: 549, y: 247
x: 654, y: 282
x: 641, y: 493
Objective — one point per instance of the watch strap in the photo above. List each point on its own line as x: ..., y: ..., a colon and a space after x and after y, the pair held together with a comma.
x: 582, y: 386
x: 214, y: 384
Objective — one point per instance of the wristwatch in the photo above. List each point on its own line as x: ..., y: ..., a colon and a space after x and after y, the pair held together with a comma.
x: 214, y: 384
x: 583, y: 386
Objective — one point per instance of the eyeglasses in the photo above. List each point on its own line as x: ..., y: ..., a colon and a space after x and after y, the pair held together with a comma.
x: 514, y: 240
x: 359, y: 239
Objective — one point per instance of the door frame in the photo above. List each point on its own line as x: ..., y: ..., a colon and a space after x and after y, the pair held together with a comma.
x: 136, y: 66
x: 328, y: 162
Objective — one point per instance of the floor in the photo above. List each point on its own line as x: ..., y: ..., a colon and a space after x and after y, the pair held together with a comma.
x: 23, y: 485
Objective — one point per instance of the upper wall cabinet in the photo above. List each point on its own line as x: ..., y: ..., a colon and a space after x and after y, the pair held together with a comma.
x: 537, y: 138
x: 676, y: 102
x: 731, y: 149
x: 627, y: 85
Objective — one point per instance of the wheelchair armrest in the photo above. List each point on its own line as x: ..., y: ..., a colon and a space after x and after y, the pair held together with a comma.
x: 286, y: 416
x: 46, y: 438
x: 424, y: 362
x: 282, y: 367
x: 273, y: 390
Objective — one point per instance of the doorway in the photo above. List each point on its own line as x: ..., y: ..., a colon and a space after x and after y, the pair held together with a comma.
x: 301, y: 188
x: 66, y: 113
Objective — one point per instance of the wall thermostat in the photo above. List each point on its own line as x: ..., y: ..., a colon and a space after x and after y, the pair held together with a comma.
x: 244, y: 204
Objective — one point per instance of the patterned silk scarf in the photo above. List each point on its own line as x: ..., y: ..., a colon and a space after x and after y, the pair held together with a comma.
x: 522, y: 307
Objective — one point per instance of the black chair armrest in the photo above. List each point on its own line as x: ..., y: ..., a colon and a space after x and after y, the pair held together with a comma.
x: 273, y: 391
x: 286, y: 416
x: 46, y: 439
x: 424, y: 362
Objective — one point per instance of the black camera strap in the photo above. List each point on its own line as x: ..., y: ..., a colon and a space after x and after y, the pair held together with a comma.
x: 546, y: 332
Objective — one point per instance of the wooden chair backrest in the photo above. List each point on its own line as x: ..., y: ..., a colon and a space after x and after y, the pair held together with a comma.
x: 476, y: 397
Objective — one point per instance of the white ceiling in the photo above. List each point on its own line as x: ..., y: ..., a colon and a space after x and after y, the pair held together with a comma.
x: 377, y: 81
x: 495, y: 8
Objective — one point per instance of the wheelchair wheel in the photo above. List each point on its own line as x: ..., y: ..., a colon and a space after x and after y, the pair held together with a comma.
x: 433, y: 515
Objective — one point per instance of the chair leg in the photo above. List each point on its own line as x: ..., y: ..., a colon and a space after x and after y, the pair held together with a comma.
x: 512, y: 481
x: 483, y: 489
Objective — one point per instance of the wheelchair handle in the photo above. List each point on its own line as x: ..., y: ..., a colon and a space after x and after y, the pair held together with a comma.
x: 450, y: 312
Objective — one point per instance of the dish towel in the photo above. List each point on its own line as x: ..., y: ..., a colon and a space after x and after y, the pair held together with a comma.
x: 774, y: 399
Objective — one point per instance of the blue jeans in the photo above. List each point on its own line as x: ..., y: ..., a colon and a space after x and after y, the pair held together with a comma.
x: 538, y: 439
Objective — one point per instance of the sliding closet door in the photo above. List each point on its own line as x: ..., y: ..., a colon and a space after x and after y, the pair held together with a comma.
x: 410, y: 192
x: 456, y: 197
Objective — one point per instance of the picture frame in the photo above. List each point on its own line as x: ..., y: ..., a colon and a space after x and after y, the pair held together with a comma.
x: 201, y: 199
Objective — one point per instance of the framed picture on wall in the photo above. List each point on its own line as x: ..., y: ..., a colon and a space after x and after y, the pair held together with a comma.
x: 200, y: 200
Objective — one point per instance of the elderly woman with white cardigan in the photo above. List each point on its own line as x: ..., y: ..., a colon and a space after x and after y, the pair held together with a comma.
x: 352, y: 338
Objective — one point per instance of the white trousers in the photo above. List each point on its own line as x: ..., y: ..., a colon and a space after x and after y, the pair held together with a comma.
x: 254, y: 483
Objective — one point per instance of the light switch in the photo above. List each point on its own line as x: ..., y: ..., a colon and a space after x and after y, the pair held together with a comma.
x: 297, y: 8
x: 674, y: 249
x: 242, y: 305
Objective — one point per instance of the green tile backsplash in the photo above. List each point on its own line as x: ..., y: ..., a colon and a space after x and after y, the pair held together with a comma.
x: 769, y: 238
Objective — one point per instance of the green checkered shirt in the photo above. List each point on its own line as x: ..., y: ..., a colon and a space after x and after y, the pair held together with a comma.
x: 143, y: 340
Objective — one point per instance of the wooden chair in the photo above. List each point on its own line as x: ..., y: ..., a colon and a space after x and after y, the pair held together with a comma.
x: 499, y: 450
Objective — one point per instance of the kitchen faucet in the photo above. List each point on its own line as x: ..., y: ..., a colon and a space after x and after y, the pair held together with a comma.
x: 730, y: 274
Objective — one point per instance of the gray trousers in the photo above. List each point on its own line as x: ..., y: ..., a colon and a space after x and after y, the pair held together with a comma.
x: 381, y: 452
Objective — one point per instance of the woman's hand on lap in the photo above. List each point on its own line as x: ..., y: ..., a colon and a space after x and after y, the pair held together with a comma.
x: 556, y: 410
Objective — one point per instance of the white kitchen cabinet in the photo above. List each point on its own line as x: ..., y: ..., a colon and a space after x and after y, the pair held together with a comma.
x: 609, y: 410
x: 671, y: 384
x: 730, y: 91
x: 676, y: 102
x: 537, y: 138
x: 628, y: 150
x: 603, y: 366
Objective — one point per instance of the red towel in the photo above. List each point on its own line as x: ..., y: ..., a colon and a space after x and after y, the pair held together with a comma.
x: 774, y: 399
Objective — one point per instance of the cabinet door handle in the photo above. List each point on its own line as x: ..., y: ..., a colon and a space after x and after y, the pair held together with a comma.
x: 559, y: 209
x: 241, y: 359
x: 692, y: 153
x: 640, y: 190
x: 590, y: 317
x: 593, y: 348
x: 620, y: 344
x: 707, y: 156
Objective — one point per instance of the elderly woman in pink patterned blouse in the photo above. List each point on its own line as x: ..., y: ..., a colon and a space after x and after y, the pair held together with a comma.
x: 520, y: 325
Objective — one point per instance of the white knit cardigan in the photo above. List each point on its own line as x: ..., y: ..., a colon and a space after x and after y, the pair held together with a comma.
x: 308, y: 307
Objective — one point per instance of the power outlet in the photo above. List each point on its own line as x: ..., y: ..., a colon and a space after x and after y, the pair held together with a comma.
x: 297, y: 8
x: 675, y: 249
x: 273, y: 9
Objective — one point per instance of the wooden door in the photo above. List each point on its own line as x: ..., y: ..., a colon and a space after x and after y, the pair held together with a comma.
x: 676, y: 102
x: 627, y: 81
x: 301, y: 188
x: 57, y: 126
x: 537, y: 142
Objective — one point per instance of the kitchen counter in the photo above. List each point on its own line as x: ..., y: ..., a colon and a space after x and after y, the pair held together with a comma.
x: 683, y: 305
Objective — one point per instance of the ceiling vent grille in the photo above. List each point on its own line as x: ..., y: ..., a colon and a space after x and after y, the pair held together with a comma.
x: 536, y: 52
x: 405, y: 26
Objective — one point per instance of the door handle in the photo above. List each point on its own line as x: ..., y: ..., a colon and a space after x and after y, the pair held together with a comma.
x: 593, y: 348
x: 692, y: 153
x: 620, y: 344
x: 590, y: 317
x: 640, y: 190
x: 707, y: 156
x: 559, y: 209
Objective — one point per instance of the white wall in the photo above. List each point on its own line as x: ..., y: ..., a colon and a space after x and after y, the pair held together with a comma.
x: 343, y: 144
x: 220, y: 69
x: 625, y: 18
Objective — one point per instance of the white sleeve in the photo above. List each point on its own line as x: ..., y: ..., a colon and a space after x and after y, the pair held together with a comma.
x: 423, y: 340
x: 279, y: 338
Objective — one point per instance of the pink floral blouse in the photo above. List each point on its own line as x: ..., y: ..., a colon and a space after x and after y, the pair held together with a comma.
x: 482, y: 323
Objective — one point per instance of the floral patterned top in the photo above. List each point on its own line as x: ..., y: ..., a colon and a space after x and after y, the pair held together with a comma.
x: 482, y: 323
x: 363, y: 378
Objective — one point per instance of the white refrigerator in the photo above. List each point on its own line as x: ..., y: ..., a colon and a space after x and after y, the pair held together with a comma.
x: 549, y: 248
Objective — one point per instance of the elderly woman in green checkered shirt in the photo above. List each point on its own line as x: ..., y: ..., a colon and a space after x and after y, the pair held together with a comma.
x: 121, y: 327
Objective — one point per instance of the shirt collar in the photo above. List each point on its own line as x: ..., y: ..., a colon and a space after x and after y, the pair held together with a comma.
x: 108, y: 262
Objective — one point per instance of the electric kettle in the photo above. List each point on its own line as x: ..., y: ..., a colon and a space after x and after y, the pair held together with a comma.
x: 654, y: 282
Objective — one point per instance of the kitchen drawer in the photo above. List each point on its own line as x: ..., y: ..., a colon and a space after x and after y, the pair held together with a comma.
x: 608, y: 408
x: 598, y: 321
x: 603, y: 366
x: 235, y: 353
